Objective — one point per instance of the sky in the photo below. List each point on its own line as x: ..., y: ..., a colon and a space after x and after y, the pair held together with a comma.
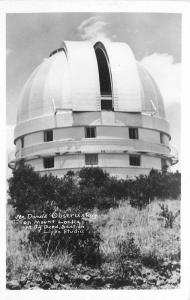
x: 155, y: 39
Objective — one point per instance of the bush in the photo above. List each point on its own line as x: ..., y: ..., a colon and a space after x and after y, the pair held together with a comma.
x: 165, y: 184
x: 168, y: 215
x: 128, y: 258
x: 128, y: 248
x: 93, y: 177
x: 24, y: 190
x: 90, y: 188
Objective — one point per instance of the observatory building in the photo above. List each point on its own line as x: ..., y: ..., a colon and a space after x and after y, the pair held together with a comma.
x: 92, y: 105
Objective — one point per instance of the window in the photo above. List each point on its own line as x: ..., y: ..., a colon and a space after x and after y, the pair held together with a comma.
x: 134, y: 160
x: 90, y: 132
x: 161, y: 138
x: 22, y: 142
x: 133, y: 133
x: 91, y: 159
x: 48, y: 135
x: 106, y: 104
x: 48, y: 162
x: 104, y: 78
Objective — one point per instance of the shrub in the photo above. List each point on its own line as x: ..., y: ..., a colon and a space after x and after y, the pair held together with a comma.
x: 92, y: 176
x: 24, y: 189
x: 128, y: 248
x: 127, y: 258
x: 165, y: 184
x: 90, y: 188
x: 168, y: 215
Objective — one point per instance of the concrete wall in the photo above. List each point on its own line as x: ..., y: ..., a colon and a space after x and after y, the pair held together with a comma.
x: 69, y: 133
x: 69, y: 119
x: 69, y: 161
x: 151, y: 162
x: 33, y: 139
x: 112, y: 143
x: 120, y: 161
x: 149, y: 135
x: 116, y: 165
x: 102, y: 132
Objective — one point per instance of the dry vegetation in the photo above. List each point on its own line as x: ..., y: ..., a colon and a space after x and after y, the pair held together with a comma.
x: 133, y: 243
x: 146, y: 226
x: 158, y: 246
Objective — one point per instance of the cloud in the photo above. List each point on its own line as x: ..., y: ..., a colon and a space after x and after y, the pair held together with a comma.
x: 8, y: 51
x: 94, y: 29
x: 167, y: 75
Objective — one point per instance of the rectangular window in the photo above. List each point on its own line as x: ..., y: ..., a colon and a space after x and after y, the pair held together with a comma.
x: 106, y: 105
x: 48, y: 162
x: 22, y: 142
x: 161, y: 138
x: 48, y: 135
x: 134, y: 160
x: 90, y: 132
x: 91, y: 159
x: 133, y: 133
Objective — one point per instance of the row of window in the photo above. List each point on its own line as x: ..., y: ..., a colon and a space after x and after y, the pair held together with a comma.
x: 92, y: 160
x: 90, y: 132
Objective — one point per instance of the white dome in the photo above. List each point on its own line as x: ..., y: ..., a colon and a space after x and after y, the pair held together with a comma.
x: 92, y: 105
x: 69, y: 80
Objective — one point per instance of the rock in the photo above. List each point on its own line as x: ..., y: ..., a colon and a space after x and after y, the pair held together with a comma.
x: 13, y: 285
x: 107, y: 286
x: 57, y: 277
x: 86, y: 278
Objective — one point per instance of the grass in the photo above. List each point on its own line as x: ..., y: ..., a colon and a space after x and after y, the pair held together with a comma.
x: 22, y: 258
x: 146, y: 227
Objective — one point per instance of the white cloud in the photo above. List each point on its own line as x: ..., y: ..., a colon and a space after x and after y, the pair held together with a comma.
x: 167, y: 75
x: 94, y: 29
